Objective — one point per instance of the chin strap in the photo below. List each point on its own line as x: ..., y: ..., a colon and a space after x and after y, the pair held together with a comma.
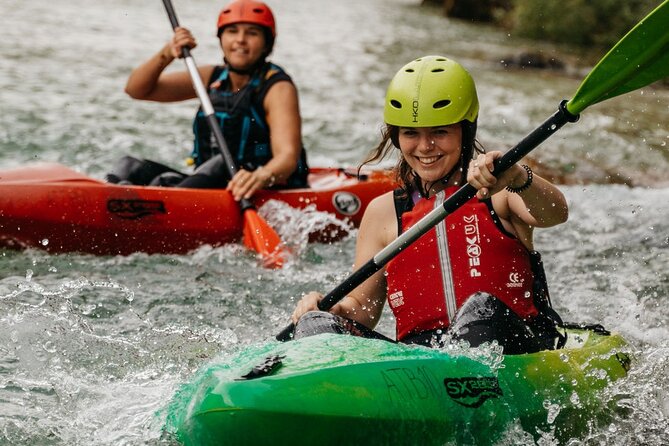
x: 425, y: 192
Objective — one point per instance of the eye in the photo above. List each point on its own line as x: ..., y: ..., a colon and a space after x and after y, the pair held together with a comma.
x: 255, y: 31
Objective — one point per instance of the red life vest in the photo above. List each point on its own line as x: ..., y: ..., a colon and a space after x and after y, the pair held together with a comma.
x: 466, y: 253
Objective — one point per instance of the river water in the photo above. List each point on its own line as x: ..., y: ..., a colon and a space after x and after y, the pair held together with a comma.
x: 91, y: 348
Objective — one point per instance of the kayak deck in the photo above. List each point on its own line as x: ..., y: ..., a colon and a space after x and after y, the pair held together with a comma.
x: 334, y: 389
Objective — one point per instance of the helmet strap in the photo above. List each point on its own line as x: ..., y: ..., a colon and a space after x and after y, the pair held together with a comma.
x: 425, y: 190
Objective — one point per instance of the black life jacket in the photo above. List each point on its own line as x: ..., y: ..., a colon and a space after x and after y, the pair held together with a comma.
x: 241, y: 116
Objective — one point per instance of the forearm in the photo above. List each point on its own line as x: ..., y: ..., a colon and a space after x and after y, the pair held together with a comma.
x: 360, y: 309
x: 143, y: 79
x: 282, y: 165
x: 349, y: 307
x: 541, y: 204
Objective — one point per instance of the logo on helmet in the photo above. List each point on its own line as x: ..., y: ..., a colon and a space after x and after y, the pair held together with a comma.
x: 415, y: 111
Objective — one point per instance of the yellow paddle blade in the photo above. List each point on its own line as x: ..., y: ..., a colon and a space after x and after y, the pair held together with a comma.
x: 262, y: 238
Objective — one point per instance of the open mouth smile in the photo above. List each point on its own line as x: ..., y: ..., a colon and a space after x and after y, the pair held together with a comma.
x: 428, y: 160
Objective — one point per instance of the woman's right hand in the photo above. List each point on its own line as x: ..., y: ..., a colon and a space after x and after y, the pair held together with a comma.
x: 309, y: 302
x: 182, y: 38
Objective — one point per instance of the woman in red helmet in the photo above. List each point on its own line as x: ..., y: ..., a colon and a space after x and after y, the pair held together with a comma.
x: 256, y: 104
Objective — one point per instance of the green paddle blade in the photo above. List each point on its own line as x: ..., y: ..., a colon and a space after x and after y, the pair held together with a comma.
x: 638, y: 59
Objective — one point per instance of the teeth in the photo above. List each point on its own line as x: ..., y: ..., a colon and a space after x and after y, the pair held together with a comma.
x: 428, y: 160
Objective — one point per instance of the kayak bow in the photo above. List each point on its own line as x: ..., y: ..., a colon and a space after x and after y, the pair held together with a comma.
x: 337, y: 389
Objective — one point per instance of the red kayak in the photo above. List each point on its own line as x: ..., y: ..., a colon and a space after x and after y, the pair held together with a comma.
x: 52, y: 207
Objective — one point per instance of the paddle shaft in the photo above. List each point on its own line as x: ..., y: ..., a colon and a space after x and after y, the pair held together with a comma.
x: 207, y: 107
x: 454, y: 202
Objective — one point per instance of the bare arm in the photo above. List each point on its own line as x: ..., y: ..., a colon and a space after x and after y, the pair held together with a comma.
x: 149, y: 82
x: 540, y: 206
x: 282, y: 112
x: 364, y: 304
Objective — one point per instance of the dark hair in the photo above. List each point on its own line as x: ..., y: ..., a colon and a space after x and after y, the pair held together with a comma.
x: 404, y: 174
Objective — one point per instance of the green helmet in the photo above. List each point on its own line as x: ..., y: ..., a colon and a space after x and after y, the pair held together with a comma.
x: 431, y: 91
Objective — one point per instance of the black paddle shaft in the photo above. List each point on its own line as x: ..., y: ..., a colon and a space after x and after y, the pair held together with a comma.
x: 207, y: 108
x: 455, y: 201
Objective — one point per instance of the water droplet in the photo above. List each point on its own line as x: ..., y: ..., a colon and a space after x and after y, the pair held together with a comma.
x: 49, y: 347
x: 553, y: 411
x: 44, y: 241
x: 575, y: 400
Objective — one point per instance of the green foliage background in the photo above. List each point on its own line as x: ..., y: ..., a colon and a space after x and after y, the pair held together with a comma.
x: 574, y: 22
x: 577, y: 22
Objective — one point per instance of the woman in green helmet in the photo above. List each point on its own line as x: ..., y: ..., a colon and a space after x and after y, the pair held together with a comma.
x: 475, y: 275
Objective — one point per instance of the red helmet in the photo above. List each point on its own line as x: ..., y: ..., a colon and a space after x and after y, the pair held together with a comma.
x: 247, y: 11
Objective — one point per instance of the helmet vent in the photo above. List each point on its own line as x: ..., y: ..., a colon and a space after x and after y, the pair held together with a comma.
x: 409, y: 70
x: 441, y: 104
x: 395, y: 103
x: 437, y: 70
x: 258, y: 10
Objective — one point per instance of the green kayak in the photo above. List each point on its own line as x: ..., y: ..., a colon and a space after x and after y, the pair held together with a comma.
x: 337, y: 389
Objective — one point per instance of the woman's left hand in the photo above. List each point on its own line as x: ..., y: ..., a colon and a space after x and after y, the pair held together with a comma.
x: 246, y: 183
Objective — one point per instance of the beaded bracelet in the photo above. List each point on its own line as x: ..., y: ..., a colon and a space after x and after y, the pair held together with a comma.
x: 526, y: 185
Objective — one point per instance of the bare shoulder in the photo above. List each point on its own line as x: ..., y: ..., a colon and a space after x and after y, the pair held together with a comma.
x: 381, y: 205
x: 380, y: 218
x: 281, y: 91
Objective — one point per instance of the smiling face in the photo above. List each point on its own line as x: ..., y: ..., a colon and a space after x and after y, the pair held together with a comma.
x: 243, y: 44
x: 432, y: 152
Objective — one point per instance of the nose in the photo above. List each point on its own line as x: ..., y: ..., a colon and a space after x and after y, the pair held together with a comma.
x: 241, y: 36
x: 426, y: 143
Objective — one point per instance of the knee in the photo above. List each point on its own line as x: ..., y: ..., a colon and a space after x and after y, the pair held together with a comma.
x: 318, y: 322
x: 484, y: 318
